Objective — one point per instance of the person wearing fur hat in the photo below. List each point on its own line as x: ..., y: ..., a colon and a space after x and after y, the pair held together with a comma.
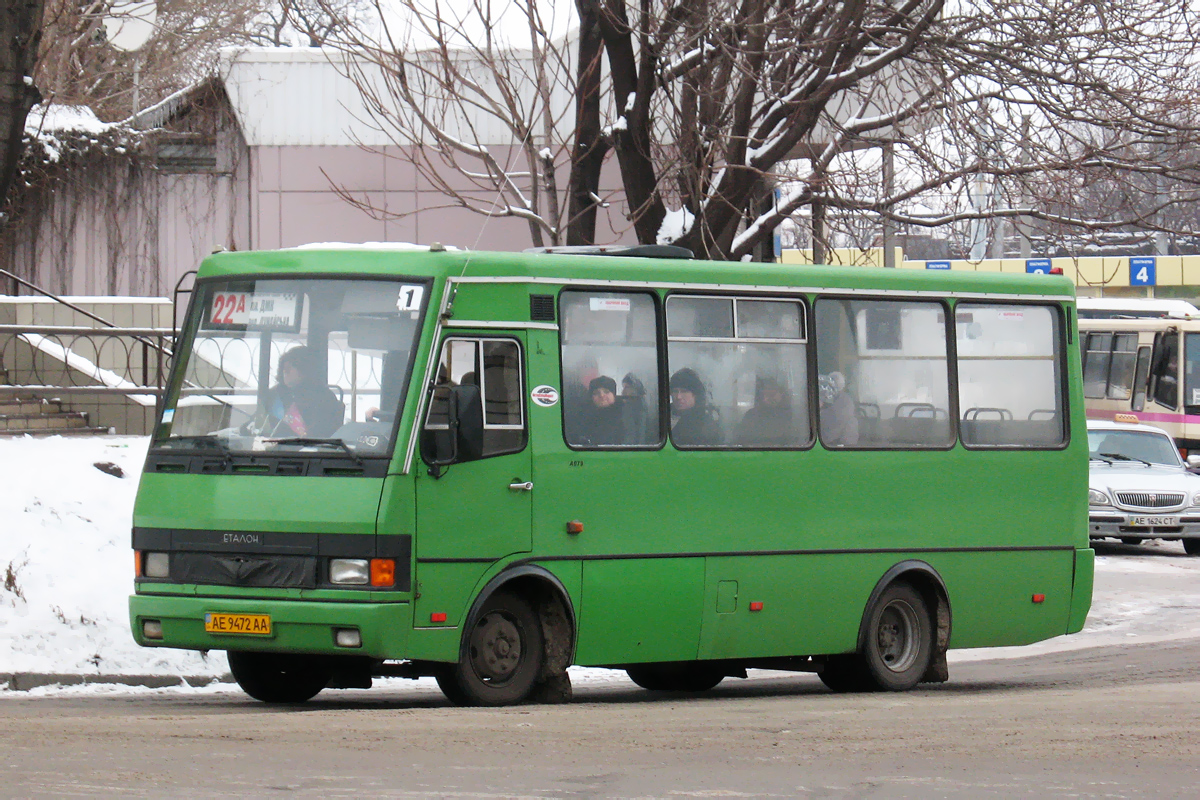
x: 692, y: 425
x: 603, y: 422
x: 839, y: 423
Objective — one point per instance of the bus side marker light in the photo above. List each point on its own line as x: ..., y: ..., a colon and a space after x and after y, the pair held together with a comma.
x: 437, y: 616
x: 756, y: 606
x: 1039, y: 598
x: 574, y: 526
x: 383, y: 572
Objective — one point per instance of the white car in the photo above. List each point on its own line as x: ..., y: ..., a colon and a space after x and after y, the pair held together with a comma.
x: 1139, y: 487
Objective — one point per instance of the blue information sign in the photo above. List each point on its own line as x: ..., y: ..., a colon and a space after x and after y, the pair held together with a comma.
x: 1037, y: 266
x: 1142, y: 271
x: 937, y: 265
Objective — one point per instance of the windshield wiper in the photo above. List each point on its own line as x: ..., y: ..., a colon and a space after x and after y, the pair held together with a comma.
x: 210, y: 439
x: 311, y: 442
x: 1123, y: 457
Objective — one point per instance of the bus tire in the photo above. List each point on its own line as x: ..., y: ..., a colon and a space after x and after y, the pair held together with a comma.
x: 501, y: 656
x: 675, y: 677
x: 1191, y: 547
x: 278, y: 678
x: 899, y: 639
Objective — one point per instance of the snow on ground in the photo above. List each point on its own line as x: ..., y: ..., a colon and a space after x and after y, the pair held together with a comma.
x: 66, y: 570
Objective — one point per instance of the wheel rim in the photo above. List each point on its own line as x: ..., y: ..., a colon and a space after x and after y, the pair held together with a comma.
x: 898, y: 635
x: 496, y: 648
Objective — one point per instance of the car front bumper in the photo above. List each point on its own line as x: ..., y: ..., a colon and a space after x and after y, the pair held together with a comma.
x: 1118, y: 524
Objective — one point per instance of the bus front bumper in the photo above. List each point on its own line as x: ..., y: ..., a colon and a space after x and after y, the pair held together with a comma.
x: 296, y: 626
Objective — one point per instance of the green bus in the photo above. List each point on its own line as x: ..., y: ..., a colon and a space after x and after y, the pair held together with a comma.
x: 486, y: 467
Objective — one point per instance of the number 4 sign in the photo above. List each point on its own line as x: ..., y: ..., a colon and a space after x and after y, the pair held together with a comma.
x: 1141, y: 271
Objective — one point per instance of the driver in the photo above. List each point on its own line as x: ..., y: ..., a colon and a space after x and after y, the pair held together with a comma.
x: 300, y: 403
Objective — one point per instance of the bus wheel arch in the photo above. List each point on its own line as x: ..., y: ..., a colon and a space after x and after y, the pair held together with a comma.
x: 929, y: 585
x: 497, y: 610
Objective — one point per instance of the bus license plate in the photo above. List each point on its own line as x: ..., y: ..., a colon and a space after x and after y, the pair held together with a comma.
x: 1154, y: 522
x: 256, y: 624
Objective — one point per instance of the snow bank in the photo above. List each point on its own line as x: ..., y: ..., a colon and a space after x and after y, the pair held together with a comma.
x: 66, y: 567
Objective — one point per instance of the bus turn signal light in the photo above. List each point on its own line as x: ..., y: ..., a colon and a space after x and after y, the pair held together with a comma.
x: 383, y: 572
x: 137, y: 563
x: 1039, y: 598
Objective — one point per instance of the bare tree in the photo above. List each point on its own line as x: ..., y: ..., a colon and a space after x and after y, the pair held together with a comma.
x: 312, y: 23
x: 20, y: 32
x: 726, y: 118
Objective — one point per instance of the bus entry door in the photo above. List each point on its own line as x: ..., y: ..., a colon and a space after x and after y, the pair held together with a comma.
x: 476, y: 512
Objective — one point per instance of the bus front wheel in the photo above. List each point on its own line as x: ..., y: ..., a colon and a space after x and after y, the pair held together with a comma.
x: 502, y: 655
x: 276, y: 678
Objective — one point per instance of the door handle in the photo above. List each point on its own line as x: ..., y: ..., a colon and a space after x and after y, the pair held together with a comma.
x: 527, y: 486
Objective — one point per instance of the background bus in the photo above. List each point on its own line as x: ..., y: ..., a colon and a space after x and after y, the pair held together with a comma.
x: 1123, y: 308
x: 488, y: 466
x: 1144, y: 368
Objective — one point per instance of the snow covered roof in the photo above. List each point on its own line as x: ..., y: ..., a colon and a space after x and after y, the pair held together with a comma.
x: 302, y: 96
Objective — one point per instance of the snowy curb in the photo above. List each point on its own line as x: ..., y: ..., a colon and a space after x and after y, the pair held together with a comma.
x: 24, y: 681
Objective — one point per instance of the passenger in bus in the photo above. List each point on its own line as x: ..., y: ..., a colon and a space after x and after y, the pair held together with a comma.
x: 633, y: 409
x: 769, y: 422
x: 839, y: 421
x: 577, y: 397
x: 301, y: 403
x: 692, y: 423
x: 602, y: 425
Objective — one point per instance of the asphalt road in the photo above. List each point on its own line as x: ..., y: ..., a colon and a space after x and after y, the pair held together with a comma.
x: 1118, y: 721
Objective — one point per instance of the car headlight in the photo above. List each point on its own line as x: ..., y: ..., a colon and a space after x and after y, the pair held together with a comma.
x: 1099, y: 498
x: 1196, y: 499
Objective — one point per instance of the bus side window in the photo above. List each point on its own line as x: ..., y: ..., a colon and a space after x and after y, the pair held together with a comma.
x: 494, y: 365
x: 742, y: 366
x: 1140, y: 376
x: 1009, y: 376
x: 1164, y: 375
x: 610, y: 394
x: 883, y: 377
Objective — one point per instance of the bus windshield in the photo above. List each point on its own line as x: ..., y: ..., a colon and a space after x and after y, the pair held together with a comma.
x: 311, y: 365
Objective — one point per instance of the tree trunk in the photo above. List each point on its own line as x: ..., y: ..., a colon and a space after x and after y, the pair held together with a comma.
x: 20, y: 33
x: 587, y: 155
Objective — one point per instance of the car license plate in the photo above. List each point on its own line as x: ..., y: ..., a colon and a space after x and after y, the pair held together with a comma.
x: 256, y: 624
x: 1154, y: 522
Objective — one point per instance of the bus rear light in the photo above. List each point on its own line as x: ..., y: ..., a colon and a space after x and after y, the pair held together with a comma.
x: 156, y: 565
x: 383, y: 572
x: 347, y: 637
x: 1039, y: 598
x: 152, y: 628
x: 351, y: 571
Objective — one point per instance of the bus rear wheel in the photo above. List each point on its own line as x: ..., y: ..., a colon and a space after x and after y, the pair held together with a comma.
x: 502, y: 655
x: 897, y: 650
x: 675, y: 677
x: 276, y: 678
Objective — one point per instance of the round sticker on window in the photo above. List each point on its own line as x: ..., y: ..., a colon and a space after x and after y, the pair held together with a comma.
x: 544, y: 395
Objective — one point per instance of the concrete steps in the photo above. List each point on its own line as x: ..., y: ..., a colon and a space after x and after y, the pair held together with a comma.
x: 25, y: 413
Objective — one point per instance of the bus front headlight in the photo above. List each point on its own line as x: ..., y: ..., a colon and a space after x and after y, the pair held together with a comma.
x: 1098, y: 498
x: 352, y: 571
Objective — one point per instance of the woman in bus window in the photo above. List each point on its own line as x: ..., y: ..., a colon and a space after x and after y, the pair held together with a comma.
x: 301, y: 404
x: 839, y: 422
x: 769, y: 422
x: 692, y: 424
x: 633, y: 409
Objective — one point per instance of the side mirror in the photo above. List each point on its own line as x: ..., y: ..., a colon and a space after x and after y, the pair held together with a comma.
x: 1193, y: 461
x: 462, y: 439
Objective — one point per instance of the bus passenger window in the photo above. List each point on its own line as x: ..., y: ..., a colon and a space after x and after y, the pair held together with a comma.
x: 610, y: 369
x: 883, y: 375
x: 1164, y: 376
x: 738, y: 372
x: 1010, y: 376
